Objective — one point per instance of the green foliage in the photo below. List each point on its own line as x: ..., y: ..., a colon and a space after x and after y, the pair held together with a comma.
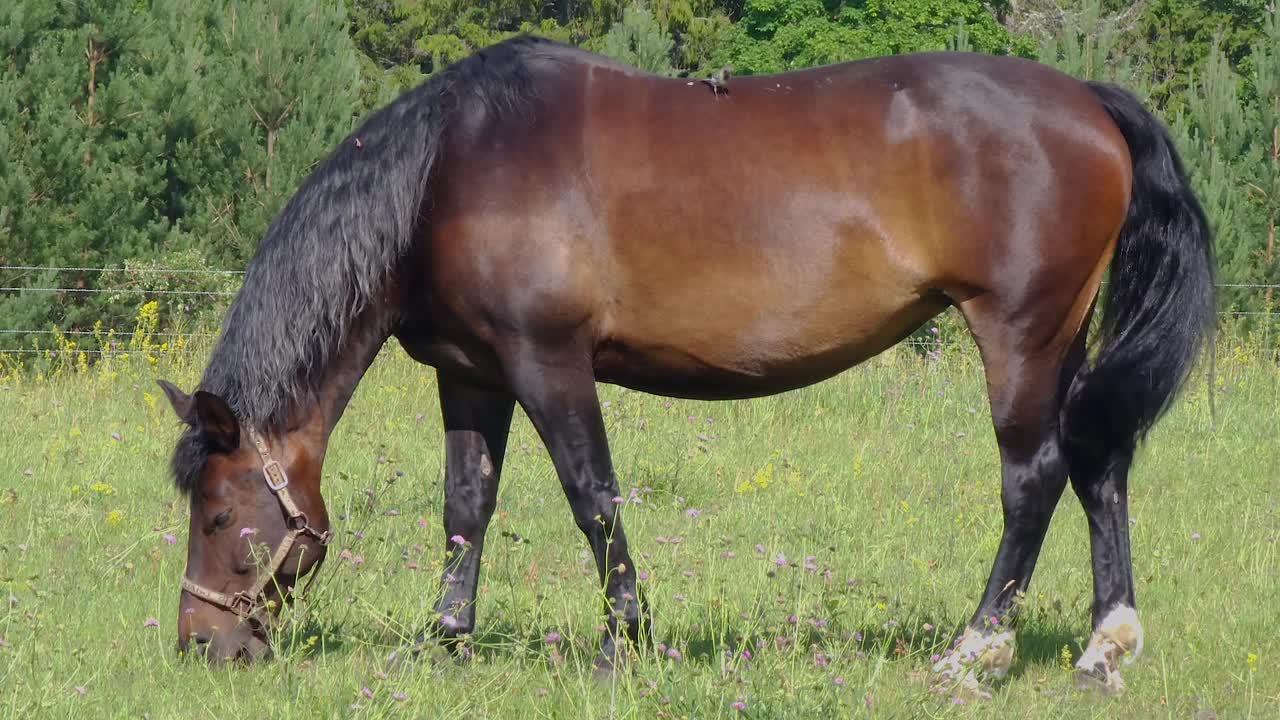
x: 638, y: 40
x: 779, y: 35
x: 1085, y: 45
x: 1175, y: 37
x: 143, y: 131
x: 128, y: 135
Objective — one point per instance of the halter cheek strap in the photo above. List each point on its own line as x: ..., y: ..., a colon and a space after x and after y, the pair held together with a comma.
x: 248, y: 603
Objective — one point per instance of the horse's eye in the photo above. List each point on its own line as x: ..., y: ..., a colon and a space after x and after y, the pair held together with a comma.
x: 222, y: 519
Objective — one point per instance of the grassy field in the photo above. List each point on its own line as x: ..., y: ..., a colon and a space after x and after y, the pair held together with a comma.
x: 806, y: 554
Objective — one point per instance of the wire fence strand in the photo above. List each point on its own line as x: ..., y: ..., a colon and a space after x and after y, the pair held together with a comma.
x: 924, y: 343
x: 166, y: 271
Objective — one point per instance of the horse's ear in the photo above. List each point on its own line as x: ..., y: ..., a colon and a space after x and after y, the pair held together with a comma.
x: 182, y: 403
x: 216, y: 421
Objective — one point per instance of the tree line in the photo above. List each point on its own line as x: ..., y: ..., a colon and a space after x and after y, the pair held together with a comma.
x: 153, y: 136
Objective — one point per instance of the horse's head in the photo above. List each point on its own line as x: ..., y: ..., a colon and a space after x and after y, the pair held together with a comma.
x: 258, y: 524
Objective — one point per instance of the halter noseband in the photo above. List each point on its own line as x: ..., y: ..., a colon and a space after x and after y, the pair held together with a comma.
x: 246, y: 602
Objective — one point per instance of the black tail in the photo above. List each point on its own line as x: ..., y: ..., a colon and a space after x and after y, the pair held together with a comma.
x: 1159, y: 308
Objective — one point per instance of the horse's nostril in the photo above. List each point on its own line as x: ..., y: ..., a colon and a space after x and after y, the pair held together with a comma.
x: 201, y: 639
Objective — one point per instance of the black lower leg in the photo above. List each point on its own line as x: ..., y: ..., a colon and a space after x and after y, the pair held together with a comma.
x: 565, y: 410
x: 1030, y: 489
x: 476, y: 423
x: 1103, y: 491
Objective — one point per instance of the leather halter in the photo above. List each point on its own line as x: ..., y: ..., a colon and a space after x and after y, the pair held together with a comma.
x: 246, y: 603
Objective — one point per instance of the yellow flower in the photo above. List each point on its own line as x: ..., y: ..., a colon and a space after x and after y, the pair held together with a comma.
x: 114, y: 517
x: 1252, y: 660
x: 1064, y: 658
x: 101, y: 487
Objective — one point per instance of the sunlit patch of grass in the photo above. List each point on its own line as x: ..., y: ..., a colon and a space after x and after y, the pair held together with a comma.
x: 805, y: 556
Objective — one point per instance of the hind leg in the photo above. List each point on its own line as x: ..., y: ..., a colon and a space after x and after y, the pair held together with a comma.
x: 1025, y: 382
x: 1101, y: 482
x: 556, y: 388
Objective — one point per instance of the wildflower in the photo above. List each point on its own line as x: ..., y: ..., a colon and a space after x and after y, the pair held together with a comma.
x: 617, y: 500
x: 247, y: 531
x: 365, y: 691
x: 760, y: 548
x: 839, y: 681
x: 399, y: 696
x: 1252, y: 661
x: 927, y: 627
x: 1195, y: 536
x: 422, y: 522
x: 738, y: 705
x: 151, y: 622
x: 810, y: 563
x: 81, y: 690
x: 169, y: 539
x: 552, y: 638
x: 114, y: 517
x: 459, y: 540
x: 643, y: 574
x: 693, y: 513
x: 674, y: 654
x: 780, y: 560
x: 728, y: 555
x: 117, y: 436
x: 820, y: 659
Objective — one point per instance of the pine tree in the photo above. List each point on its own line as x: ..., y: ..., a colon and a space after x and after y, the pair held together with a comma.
x: 638, y: 40
x: 132, y: 137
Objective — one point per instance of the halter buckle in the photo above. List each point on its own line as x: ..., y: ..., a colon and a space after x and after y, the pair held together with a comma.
x: 277, y: 480
x: 242, y: 605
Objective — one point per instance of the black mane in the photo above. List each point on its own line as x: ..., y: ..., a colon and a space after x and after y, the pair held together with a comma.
x: 327, y: 254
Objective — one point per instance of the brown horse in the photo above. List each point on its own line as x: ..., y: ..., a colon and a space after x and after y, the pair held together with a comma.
x: 536, y: 218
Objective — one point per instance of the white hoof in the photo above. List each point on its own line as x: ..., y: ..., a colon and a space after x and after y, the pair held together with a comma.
x: 1118, y: 639
x: 975, y: 657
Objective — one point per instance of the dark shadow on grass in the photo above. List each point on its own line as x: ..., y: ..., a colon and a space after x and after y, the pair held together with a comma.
x: 1039, y: 642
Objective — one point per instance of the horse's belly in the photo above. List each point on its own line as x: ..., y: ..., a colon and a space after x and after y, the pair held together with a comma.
x: 769, y: 356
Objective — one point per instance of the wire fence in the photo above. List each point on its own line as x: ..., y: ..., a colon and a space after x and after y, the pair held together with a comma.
x: 199, y: 340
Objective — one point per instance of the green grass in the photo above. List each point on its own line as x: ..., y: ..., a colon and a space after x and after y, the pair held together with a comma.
x: 887, y: 476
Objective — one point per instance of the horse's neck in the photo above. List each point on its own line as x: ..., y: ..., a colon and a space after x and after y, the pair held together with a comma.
x: 339, y: 379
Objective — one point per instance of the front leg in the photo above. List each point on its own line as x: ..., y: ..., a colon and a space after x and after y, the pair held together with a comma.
x: 557, y: 391
x: 476, y: 424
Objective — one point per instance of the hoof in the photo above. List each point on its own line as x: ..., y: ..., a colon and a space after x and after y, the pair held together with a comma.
x: 975, y: 659
x: 1118, y: 639
x: 1097, y: 678
x: 402, y: 657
